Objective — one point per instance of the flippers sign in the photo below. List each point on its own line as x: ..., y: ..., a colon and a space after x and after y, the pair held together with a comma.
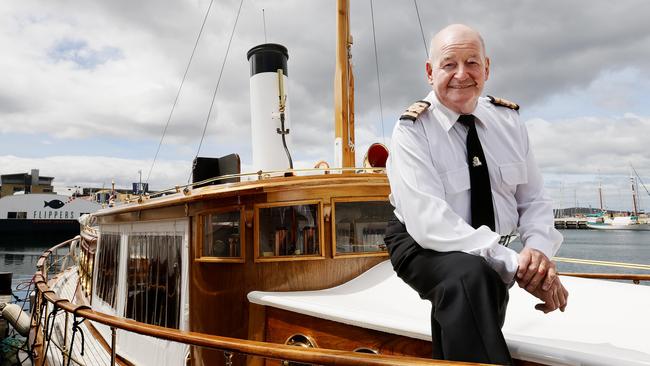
x: 53, y: 212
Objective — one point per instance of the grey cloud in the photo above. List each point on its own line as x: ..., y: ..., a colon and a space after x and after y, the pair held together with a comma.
x: 538, y: 49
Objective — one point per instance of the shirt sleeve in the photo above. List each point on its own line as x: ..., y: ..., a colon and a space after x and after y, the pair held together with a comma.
x: 536, y: 226
x: 418, y: 195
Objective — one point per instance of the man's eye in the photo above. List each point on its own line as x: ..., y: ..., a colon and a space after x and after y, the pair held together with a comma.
x: 448, y: 65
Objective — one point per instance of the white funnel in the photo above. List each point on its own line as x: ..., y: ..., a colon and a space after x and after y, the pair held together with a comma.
x: 268, y: 149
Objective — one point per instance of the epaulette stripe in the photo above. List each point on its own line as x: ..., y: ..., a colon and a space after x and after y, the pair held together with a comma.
x: 503, y: 103
x: 413, y: 112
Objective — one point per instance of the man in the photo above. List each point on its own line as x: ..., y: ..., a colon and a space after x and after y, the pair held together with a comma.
x: 462, y: 178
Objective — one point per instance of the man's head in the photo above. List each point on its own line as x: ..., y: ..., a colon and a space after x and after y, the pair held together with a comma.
x: 457, y: 67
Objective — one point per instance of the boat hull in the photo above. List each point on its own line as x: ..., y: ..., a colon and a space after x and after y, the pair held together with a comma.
x: 635, y: 227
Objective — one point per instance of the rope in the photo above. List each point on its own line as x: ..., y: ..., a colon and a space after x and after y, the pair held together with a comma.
x: 75, y: 328
x: 426, y: 49
x: 178, y: 93
x: 216, y: 88
x: 48, y: 331
x: 374, y: 41
x: 41, y: 307
x: 603, y: 263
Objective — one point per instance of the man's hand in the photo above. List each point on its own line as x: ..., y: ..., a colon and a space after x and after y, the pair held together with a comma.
x: 555, y: 298
x: 535, y: 268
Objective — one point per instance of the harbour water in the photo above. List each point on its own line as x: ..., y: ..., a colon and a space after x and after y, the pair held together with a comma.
x: 612, y: 245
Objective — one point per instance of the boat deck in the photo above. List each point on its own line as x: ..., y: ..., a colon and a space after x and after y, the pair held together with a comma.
x: 604, y: 324
x: 94, y: 352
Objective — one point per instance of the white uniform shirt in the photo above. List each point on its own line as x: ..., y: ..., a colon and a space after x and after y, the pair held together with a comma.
x: 430, y: 186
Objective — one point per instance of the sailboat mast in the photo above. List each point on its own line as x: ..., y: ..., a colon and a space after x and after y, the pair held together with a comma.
x: 343, y: 90
x: 633, y: 181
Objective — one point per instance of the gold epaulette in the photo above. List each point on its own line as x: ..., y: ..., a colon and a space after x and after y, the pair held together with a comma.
x: 415, y: 110
x: 503, y: 103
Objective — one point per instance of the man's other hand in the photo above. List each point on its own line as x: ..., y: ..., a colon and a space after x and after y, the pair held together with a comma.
x: 535, y: 269
x: 555, y: 298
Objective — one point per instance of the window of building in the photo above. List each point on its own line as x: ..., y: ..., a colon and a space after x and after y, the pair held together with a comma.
x: 17, y: 215
x: 154, y: 278
x: 360, y: 226
x: 108, y: 260
x: 292, y: 230
x: 222, y: 235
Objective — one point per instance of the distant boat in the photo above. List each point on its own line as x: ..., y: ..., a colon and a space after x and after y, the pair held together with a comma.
x: 24, y: 217
x: 620, y: 223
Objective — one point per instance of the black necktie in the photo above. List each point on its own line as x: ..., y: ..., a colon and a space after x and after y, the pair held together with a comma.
x: 479, y: 178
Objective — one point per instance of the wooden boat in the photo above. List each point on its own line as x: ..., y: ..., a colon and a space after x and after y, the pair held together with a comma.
x: 285, y: 269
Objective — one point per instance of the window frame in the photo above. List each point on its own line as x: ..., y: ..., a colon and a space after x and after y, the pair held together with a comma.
x: 199, y: 227
x: 343, y: 255
x: 285, y: 258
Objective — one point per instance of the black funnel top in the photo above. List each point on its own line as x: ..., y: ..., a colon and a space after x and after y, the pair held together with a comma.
x: 268, y: 57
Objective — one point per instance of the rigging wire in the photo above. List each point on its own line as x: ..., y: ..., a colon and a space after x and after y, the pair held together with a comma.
x: 216, y: 88
x: 426, y: 48
x: 180, y: 87
x: 641, y: 180
x: 374, y: 41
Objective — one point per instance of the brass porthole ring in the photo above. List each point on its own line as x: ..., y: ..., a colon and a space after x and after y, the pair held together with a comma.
x: 366, y: 350
x: 301, y: 340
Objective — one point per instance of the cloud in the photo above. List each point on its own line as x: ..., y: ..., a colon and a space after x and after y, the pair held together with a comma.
x: 77, y: 71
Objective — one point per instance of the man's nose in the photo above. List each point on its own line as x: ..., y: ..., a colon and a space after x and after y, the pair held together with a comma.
x: 461, y: 73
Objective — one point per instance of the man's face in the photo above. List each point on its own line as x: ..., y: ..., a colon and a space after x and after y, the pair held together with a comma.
x: 458, y: 70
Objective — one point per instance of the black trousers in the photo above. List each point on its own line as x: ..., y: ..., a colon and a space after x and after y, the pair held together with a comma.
x: 468, y: 298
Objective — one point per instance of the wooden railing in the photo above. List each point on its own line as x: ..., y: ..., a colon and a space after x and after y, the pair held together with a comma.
x: 226, y: 344
x: 233, y: 345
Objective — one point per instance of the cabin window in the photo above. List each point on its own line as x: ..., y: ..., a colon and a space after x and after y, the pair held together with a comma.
x: 222, y: 234
x: 17, y: 215
x: 154, y: 278
x: 289, y: 230
x: 107, y: 267
x: 360, y: 226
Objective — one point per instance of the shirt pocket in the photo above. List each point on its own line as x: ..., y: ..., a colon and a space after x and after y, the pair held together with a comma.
x: 456, y: 181
x: 514, y: 174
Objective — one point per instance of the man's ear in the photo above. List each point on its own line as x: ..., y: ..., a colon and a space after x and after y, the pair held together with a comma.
x: 487, y: 68
x: 429, y: 69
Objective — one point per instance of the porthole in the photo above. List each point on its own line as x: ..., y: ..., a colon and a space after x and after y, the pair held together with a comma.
x: 299, y: 340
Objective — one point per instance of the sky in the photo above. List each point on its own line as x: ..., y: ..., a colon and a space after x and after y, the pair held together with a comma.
x: 86, y: 87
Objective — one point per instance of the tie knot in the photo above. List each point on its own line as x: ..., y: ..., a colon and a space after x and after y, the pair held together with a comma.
x: 466, y: 119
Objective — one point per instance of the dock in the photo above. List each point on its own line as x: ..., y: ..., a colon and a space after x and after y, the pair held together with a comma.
x: 571, y: 223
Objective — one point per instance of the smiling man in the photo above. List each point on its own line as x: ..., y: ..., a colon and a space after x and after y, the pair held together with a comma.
x: 463, y: 179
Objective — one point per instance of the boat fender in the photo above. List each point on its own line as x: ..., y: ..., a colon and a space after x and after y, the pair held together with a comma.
x: 19, y: 319
x: 415, y: 110
x: 503, y: 103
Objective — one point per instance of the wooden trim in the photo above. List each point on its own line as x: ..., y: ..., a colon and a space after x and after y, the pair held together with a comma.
x: 610, y: 276
x: 249, y: 187
x: 256, y: 230
x: 256, y: 330
x: 335, y: 200
x: 199, y: 225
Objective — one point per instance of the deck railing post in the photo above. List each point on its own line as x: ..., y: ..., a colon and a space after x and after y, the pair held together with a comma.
x: 64, y: 348
x: 113, y: 344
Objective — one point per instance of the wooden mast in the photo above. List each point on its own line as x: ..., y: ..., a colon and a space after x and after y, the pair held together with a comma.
x: 343, y: 90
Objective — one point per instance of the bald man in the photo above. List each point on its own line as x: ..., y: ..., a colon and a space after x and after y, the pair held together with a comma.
x: 463, y: 179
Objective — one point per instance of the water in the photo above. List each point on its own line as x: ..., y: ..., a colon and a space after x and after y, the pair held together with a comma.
x: 21, y: 259
x: 610, y: 245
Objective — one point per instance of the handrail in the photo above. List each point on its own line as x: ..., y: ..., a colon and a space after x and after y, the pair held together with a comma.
x: 227, y: 344
x: 636, y: 278
x: 260, y: 174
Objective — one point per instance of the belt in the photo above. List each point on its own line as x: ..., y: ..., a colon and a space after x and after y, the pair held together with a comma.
x: 505, y: 240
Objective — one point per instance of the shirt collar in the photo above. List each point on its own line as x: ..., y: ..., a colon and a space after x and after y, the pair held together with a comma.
x: 446, y: 117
